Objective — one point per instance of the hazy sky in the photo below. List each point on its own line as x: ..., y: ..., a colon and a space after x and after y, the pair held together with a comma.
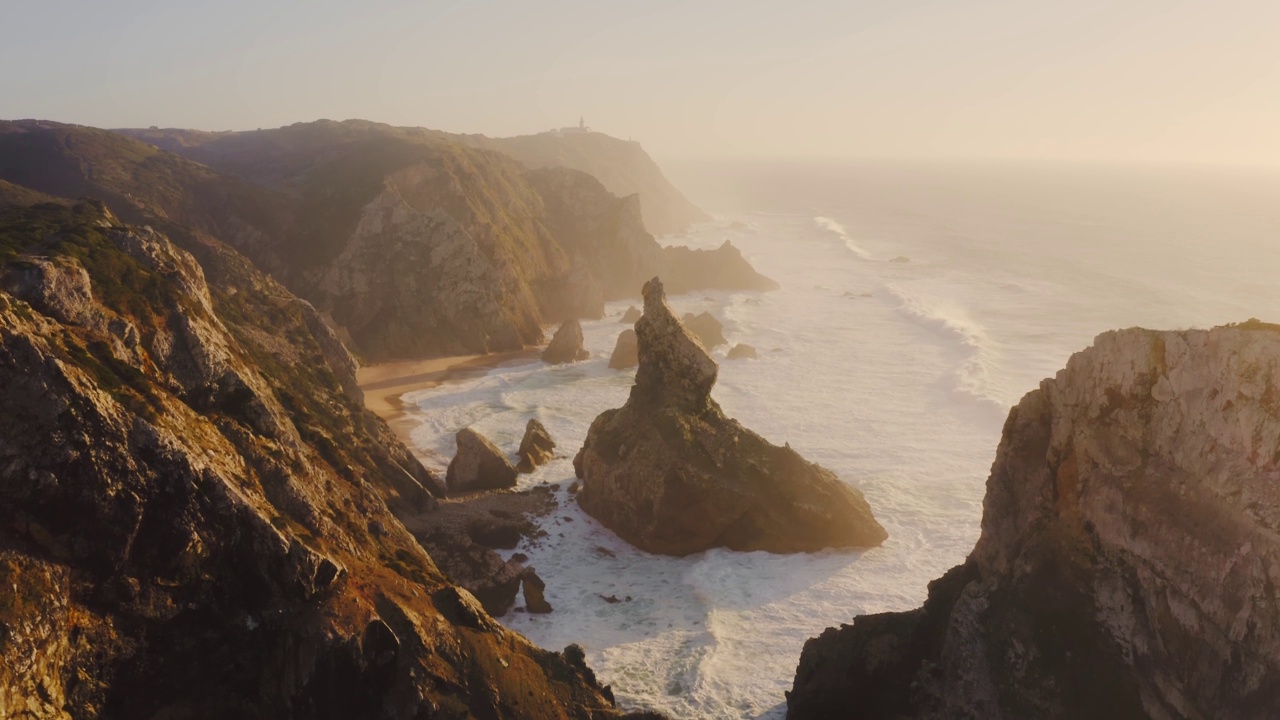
x: 1120, y: 80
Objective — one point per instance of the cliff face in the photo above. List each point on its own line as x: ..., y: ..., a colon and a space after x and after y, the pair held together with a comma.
x: 414, y: 243
x: 1129, y: 556
x: 622, y: 166
x: 196, y: 512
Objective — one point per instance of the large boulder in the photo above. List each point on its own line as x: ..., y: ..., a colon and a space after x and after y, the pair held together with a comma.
x: 566, y: 345
x: 536, y: 447
x: 707, y: 328
x: 626, y: 353
x: 631, y: 315
x: 478, y: 465
x: 671, y: 474
x: 1128, y: 559
x: 742, y: 351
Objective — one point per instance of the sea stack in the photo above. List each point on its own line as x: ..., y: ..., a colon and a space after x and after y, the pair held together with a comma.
x: 626, y: 353
x: 706, y: 328
x: 478, y: 465
x: 536, y: 448
x: 669, y: 473
x: 566, y: 345
x: 1128, y: 559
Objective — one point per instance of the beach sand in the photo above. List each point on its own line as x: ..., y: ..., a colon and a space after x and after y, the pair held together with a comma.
x: 384, y: 384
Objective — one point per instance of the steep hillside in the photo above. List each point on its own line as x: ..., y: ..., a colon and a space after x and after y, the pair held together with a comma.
x: 1129, y: 556
x: 621, y: 165
x: 196, y: 510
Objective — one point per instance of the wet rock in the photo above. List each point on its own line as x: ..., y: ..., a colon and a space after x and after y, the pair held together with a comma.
x: 536, y: 448
x: 706, y: 328
x: 534, y: 599
x: 626, y: 353
x: 671, y: 474
x: 478, y: 465
x: 742, y: 351
x: 566, y: 345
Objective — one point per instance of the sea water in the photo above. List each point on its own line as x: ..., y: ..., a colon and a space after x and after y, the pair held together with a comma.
x: 917, y: 305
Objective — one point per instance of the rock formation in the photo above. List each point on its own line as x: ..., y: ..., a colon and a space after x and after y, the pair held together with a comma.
x: 631, y: 315
x: 196, y: 521
x: 706, y: 328
x: 721, y: 269
x: 536, y: 447
x: 478, y: 465
x: 1128, y: 558
x: 566, y: 345
x: 626, y: 352
x: 742, y: 351
x: 534, y: 599
x: 671, y: 474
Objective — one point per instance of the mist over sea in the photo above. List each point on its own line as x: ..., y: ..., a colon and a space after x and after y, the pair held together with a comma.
x: 918, y: 303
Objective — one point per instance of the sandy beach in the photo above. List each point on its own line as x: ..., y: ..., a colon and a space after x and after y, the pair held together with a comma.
x: 385, y: 383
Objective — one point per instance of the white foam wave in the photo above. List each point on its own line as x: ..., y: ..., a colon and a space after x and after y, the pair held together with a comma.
x: 976, y: 372
x: 839, y: 231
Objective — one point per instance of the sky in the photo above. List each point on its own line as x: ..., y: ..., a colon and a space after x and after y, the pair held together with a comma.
x: 1084, y: 80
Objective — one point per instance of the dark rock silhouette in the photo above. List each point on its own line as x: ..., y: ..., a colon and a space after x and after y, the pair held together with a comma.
x: 631, y: 315
x: 742, y: 351
x: 626, y: 353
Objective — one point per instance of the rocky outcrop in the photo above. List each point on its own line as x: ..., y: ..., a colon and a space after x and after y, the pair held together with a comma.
x: 706, y: 328
x: 536, y: 447
x: 626, y: 352
x: 566, y: 345
x: 1128, y: 556
x: 721, y: 269
x: 535, y: 600
x: 195, y: 521
x: 742, y: 351
x: 621, y: 166
x: 478, y: 465
x: 631, y: 315
x: 671, y: 474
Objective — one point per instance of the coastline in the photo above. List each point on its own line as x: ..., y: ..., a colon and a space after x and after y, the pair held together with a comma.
x: 385, y: 383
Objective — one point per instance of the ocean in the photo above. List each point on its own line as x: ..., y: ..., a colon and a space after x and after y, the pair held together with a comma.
x: 918, y: 303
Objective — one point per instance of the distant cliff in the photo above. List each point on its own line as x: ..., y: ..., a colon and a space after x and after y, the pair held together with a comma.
x: 1129, y: 556
x: 196, y: 510
x: 621, y: 165
x: 411, y: 243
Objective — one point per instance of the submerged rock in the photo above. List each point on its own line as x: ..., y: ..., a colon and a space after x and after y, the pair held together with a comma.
x: 566, y: 345
x: 1127, y: 562
x: 707, y: 328
x: 743, y: 351
x: 478, y: 465
x: 626, y: 353
x: 536, y: 448
x: 671, y: 474
x: 631, y: 315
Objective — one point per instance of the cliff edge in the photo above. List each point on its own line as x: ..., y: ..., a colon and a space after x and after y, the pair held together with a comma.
x: 1129, y: 556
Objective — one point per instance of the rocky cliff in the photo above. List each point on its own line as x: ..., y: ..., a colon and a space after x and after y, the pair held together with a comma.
x: 1129, y: 556
x: 671, y: 474
x: 412, y: 243
x: 621, y: 165
x: 196, y: 511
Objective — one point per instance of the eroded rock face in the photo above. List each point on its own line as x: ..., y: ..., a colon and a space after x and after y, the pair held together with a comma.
x: 171, y: 505
x: 626, y: 352
x: 478, y: 465
x: 566, y: 345
x: 536, y: 447
x: 671, y: 474
x: 706, y: 328
x: 1128, y: 557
